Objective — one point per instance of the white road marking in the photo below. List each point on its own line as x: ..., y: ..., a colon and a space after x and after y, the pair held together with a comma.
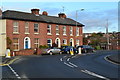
x: 64, y: 56
x: 61, y: 59
x: 74, y: 56
x: 68, y: 59
x: 68, y: 65
x: 94, y: 74
x: 109, y: 60
x: 14, y: 72
x: 73, y: 64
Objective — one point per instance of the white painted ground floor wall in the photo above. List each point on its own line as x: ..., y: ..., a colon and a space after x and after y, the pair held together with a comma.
x: 2, y: 37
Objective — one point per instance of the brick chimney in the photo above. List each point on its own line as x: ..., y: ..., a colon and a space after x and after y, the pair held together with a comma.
x: 62, y: 15
x: 35, y: 11
x: 44, y: 13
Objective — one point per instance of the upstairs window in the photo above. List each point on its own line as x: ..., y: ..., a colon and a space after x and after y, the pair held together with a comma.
x: 26, y: 27
x: 77, y: 31
x: 48, y: 29
x: 71, y: 31
x: 57, y: 30
x: 64, y: 30
x: 36, y: 27
x: 15, y: 27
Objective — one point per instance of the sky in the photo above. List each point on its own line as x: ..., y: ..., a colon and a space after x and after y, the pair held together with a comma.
x: 95, y: 15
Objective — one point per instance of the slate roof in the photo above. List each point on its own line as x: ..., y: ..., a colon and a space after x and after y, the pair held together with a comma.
x: 16, y: 15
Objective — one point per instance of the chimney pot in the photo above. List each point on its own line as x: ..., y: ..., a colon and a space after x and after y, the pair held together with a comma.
x: 44, y: 13
x: 62, y: 15
x: 35, y: 11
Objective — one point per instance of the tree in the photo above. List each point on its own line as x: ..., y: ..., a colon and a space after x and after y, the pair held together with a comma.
x: 9, y: 42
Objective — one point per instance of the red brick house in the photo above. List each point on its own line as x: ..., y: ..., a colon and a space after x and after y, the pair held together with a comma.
x: 29, y: 30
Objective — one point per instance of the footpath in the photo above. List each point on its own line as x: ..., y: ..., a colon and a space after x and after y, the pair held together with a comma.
x: 114, y: 58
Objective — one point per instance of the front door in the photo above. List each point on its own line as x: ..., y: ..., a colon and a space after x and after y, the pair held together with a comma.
x: 57, y: 41
x: 26, y: 43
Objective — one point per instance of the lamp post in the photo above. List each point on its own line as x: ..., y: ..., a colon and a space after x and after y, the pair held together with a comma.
x: 77, y: 15
x: 79, y: 52
x: 107, y: 35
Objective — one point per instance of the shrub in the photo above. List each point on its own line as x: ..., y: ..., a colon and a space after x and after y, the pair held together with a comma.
x: 43, y: 46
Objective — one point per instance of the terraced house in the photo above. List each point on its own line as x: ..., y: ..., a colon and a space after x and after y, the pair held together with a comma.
x: 29, y: 30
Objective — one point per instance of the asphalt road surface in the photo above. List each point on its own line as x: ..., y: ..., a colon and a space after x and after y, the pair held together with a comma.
x: 92, y: 66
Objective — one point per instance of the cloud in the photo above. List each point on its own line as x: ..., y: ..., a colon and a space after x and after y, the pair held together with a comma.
x: 97, y: 20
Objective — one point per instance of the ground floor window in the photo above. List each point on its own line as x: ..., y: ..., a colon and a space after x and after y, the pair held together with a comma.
x: 49, y: 42
x: 77, y: 42
x: 15, y: 44
x: 64, y: 41
x: 36, y: 43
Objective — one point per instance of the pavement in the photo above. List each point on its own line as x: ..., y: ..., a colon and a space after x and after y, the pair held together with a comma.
x: 6, y: 61
x: 114, y: 58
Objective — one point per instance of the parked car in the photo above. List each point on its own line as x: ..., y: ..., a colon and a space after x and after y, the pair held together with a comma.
x: 86, y: 48
x: 52, y: 50
x: 66, y: 49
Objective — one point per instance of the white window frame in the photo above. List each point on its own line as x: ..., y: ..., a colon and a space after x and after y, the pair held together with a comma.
x: 77, y: 31
x: 16, y: 44
x: 57, y: 30
x: 49, y: 28
x: 26, y: 27
x: 64, y: 30
x: 35, y: 43
x: 71, y: 31
x: 77, y: 42
x: 65, y: 41
x: 15, y: 26
x: 36, y: 28
x: 50, y: 41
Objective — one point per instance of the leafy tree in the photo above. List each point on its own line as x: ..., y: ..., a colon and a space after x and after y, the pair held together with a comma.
x: 9, y: 42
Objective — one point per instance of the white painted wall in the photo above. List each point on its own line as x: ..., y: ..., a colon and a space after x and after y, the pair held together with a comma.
x: 2, y: 37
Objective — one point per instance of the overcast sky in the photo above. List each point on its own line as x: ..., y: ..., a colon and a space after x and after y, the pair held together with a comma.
x: 94, y: 16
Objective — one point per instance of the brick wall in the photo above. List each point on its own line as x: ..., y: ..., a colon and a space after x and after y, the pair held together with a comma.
x: 42, y: 34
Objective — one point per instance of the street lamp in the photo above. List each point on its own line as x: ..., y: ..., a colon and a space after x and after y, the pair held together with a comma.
x: 107, y: 35
x: 77, y: 15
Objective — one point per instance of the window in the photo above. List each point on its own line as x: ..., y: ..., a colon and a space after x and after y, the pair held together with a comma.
x: 15, y: 27
x: 49, y: 42
x: 77, y: 31
x: 57, y: 30
x: 36, y: 43
x: 64, y: 30
x: 77, y: 42
x: 64, y: 41
x: 15, y: 44
x: 71, y: 30
x: 48, y: 29
x: 36, y: 28
x: 26, y: 27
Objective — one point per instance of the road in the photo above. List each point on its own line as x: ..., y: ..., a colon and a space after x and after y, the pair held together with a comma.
x: 63, y: 66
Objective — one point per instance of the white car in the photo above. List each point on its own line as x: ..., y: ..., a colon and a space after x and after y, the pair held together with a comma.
x: 53, y: 50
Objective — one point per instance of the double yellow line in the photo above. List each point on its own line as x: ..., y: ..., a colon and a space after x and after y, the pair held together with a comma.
x: 10, y: 62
